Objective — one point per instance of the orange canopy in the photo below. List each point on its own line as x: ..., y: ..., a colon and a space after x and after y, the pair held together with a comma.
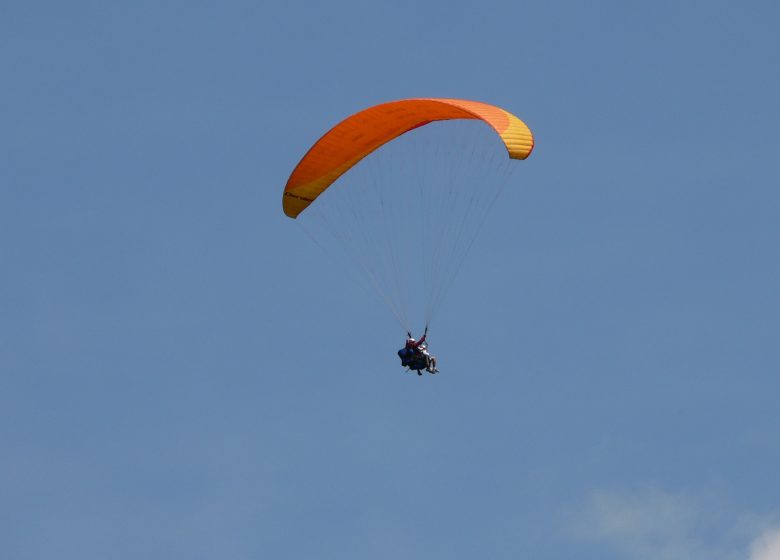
x: 357, y: 136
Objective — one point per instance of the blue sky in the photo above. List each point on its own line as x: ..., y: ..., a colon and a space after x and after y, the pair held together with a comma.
x: 184, y: 375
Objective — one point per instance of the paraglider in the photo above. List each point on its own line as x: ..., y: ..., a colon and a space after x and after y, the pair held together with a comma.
x: 415, y: 356
x: 400, y: 172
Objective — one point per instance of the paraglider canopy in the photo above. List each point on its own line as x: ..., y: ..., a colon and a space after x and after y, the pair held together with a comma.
x: 357, y: 136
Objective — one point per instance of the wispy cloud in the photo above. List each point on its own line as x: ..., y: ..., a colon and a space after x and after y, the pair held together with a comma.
x: 766, y: 546
x: 652, y: 524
